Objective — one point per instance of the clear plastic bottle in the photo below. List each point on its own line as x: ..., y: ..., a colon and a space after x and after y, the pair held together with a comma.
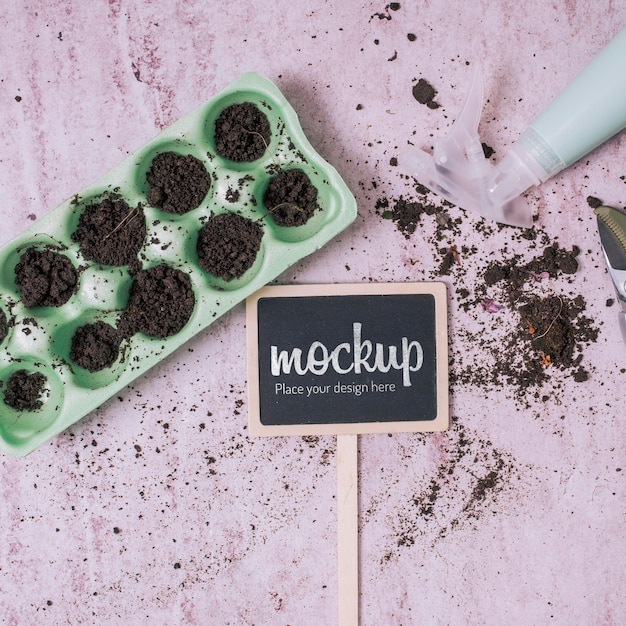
x: 590, y: 110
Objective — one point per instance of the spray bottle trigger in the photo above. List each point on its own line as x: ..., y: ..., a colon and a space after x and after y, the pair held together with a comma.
x: 459, y: 171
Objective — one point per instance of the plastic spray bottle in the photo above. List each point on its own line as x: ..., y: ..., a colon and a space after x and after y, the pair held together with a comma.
x: 590, y: 110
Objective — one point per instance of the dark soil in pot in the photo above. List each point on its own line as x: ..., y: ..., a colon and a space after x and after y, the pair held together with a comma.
x: 23, y: 390
x: 45, y: 278
x: 178, y: 183
x: 95, y: 346
x: 160, y: 303
x: 290, y: 198
x: 228, y: 244
x: 110, y: 232
x: 242, y: 132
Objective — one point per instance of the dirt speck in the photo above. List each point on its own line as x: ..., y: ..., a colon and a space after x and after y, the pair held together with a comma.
x: 425, y: 93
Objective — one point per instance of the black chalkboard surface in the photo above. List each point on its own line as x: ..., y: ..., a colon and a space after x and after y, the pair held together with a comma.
x: 341, y: 359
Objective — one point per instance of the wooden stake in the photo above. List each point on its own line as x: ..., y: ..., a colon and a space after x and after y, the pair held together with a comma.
x: 348, y: 530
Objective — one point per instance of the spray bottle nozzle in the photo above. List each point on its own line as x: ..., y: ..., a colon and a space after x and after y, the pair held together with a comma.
x: 458, y: 170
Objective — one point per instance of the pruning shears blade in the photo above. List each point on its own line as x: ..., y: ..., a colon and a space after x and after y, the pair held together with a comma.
x: 612, y: 230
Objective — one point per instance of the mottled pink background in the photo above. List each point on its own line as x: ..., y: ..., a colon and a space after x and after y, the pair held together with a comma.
x: 158, y: 508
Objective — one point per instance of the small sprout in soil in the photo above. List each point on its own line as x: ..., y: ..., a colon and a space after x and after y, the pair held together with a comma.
x: 292, y: 198
x: 282, y: 205
x: 110, y: 232
x: 556, y: 317
x: 242, y: 132
x: 131, y: 214
x: 260, y: 136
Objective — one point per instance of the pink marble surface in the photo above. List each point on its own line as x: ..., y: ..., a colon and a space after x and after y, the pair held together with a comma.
x: 158, y: 508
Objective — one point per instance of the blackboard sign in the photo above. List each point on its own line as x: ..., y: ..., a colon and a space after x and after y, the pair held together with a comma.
x: 348, y: 359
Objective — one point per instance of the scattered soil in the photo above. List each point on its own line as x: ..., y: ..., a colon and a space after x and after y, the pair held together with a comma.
x: 110, y: 232
x: 228, y: 244
x: 553, y: 261
x: 95, y: 346
x: 160, y: 303
x: 472, y: 479
x: 242, y: 132
x: 407, y: 213
x: 178, y: 183
x: 392, y: 6
x: 291, y: 198
x: 232, y: 195
x: 425, y: 93
x: 527, y: 327
x: 550, y: 329
x: 45, y: 278
x: 4, y: 325
x: 24, y: 390
x: 536, y: 329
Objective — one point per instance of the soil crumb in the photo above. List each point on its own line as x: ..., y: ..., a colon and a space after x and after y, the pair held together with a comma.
x: 594, y: 202
x: 425, y: 93
x: 242, y: 132
x: 45, y: 278
x: 291, y: 198
x: 95, y: 346
x: 227, y: 245
x: 407, y: 213
x: 110, y: 232
x: 24, y: 390
x: 488, y: 151
x: 160, y: 303
x: 178, y: 182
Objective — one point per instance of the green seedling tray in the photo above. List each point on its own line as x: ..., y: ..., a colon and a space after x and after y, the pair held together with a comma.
x: 39, y: 338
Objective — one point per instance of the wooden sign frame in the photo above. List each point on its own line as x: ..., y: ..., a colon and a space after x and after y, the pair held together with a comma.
x: 434, y: 292
x: 430, y: 311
